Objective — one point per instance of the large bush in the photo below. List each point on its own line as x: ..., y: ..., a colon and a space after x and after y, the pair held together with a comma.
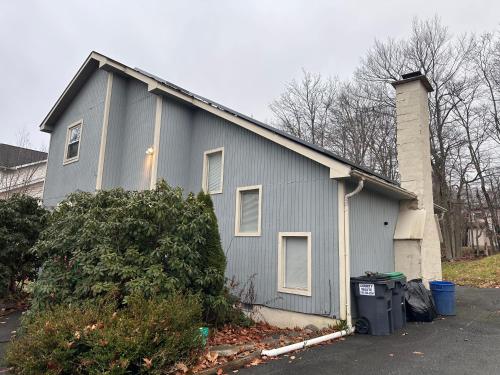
x: 146, y: 336
x: 152, y: 243
x: 21, y: 220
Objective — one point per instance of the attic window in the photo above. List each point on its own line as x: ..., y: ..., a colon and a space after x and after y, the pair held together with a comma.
x: 73, y: 137
x: 213, y: 171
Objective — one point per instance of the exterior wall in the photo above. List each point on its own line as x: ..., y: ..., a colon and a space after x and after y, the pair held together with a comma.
x: 114, y: 142
x: 80, y: 175
x: 297, y: 196
x: 175, y: 143
x: 371, y: 240
x: 27, y: 179
x: 130, y: 134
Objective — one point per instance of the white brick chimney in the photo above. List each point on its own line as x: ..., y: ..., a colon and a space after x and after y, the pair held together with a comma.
x: 416, y: 240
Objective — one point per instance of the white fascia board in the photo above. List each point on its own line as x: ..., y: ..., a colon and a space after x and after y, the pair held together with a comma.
x: 402, y: 193
x: 337, y: 168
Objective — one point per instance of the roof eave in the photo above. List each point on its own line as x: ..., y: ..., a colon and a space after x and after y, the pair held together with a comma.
x: 87, y: 68
x: 397, y: 191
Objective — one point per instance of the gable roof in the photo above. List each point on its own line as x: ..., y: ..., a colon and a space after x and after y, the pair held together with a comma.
x: 14, y: 156
x: 339, y: 166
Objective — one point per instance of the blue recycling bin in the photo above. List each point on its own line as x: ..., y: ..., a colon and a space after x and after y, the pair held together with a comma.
x: 443, y: 293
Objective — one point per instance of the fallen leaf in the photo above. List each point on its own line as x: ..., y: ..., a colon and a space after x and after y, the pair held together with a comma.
x: 220, y: 371
x: 255, y: 362
x: 148, y: 362
x: 181, y: 367
x: 212, y: 356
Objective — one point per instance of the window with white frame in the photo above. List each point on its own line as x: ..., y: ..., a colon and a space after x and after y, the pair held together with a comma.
x: 213, y: 171
x: 248, y: 210
x: 294, y: 263
x: 73, y: 137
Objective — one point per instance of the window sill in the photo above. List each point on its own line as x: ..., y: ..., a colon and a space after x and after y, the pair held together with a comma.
x: 300, y: 292
x: 215, y: 192
x: 69, y: 161
x: 252, y: 234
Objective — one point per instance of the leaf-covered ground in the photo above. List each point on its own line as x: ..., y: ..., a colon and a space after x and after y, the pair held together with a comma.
x: 480, y: 273
x: 249, y: 340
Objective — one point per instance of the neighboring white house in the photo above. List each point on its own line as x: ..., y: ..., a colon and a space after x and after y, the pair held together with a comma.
x: 22, y: 170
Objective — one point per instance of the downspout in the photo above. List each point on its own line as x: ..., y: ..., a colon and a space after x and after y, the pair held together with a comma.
x: 347, y: 261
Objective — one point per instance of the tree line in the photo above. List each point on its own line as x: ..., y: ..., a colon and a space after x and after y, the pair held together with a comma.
x: 356, y: 120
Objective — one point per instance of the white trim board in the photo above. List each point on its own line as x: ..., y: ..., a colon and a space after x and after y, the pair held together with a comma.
x: 66, y: 142
x: 281, y: 269
x: 338, y: 169
x: 156, y: 142
x: 204, y: 177
x: 104, y: 132
x: 237, y: 217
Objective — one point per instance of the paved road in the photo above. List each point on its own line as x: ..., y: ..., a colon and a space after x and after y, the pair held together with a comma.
x: 466, y: 344
x: 8, y: 324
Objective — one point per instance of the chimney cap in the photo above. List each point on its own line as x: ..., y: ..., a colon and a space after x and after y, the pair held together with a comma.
x: 414, y: 76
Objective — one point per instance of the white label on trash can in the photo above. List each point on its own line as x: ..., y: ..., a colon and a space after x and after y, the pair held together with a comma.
x: 367, y: 289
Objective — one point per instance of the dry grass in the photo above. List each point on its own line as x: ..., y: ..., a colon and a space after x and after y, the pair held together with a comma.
x: 480, y: 273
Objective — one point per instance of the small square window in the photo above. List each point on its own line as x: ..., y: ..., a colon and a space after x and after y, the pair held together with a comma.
x: 248, y: 211
x: 294, y: 263
x: 213, y: 171
x: 72, y: 147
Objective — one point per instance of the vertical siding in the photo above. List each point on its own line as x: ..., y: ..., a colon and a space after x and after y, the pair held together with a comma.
x: 88, y: 106
x: 372, y: 247
x: 130, y: 134
x: 138, y: 132
x: 114, y: 142
x: 175, y: 143
x: 298, y: 196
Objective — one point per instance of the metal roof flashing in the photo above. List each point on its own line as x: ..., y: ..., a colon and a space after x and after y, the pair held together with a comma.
x: 414, y: 76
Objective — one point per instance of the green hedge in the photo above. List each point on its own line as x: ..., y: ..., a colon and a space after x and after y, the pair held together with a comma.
x: 21, y: 220
x: 152, y: 243
x: 146, y: 336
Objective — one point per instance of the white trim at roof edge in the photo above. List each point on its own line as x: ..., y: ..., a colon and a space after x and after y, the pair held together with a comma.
x: 403, y: 193
x: 337, y: 168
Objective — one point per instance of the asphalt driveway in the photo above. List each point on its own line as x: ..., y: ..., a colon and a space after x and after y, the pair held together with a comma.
x: 8, y: 324
x: 468, y: 343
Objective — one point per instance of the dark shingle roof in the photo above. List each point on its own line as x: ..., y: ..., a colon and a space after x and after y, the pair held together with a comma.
x: 13, y: 156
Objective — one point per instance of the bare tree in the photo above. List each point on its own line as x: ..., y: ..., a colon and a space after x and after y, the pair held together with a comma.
x: 303, y: 108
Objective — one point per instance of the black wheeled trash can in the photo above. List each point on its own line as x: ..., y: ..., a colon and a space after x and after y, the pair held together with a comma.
x: 372, y: 297
x: 398, y: 300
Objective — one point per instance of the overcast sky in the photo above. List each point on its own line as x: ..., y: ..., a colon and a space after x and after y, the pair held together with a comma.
x: 239, y: 53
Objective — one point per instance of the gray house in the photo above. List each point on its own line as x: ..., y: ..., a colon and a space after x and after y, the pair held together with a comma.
x: 295, y: 218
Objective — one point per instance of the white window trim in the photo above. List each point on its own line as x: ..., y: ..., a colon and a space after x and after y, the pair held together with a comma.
x: 281, y: 267
x: 204, y: 184
x: 237, y: 231
x: 66, y: 143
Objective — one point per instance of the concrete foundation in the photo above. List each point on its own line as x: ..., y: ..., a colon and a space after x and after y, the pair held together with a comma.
x: 288, y: 319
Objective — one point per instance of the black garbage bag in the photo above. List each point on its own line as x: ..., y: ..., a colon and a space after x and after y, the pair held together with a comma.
x: 419, y: 302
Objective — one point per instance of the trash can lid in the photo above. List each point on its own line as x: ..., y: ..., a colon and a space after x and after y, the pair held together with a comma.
x: 395, y: 275
x: 371, y: 277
